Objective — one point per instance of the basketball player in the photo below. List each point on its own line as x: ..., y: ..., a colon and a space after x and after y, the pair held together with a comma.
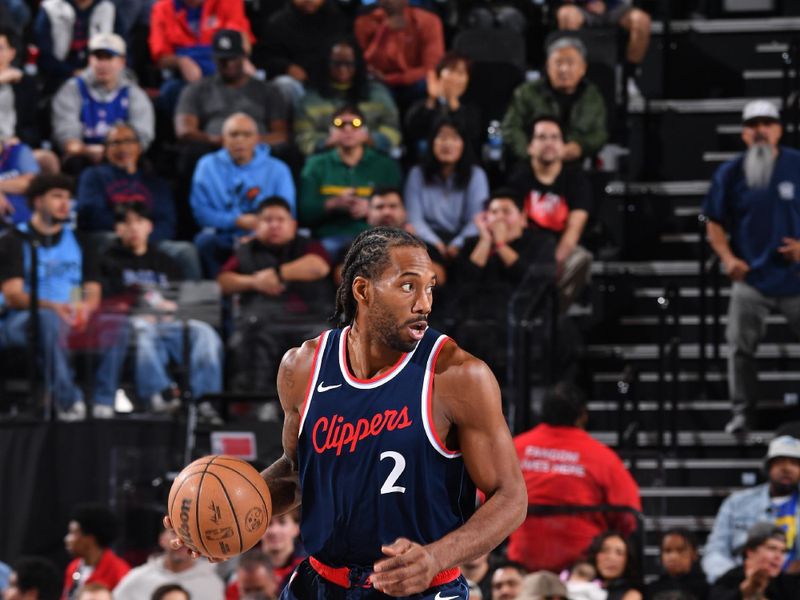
x: 387, y: 425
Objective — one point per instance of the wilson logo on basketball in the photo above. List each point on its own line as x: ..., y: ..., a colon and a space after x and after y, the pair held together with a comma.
x: 183, y: 530
x: 336, y: 434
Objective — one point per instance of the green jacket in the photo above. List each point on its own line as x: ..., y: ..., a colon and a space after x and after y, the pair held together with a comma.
x: 534, y: 99
x: 325, y: 176
x: 314, y: 113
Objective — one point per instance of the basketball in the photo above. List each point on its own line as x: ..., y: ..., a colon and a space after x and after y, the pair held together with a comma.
x: 220, y: 506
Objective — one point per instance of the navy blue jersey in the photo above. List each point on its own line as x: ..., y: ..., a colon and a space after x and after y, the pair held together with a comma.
x: 372, y: 468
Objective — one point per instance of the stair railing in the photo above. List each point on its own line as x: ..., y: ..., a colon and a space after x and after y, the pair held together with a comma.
x: 669, y: 342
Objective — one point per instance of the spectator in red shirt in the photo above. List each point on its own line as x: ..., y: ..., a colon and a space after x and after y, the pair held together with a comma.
x: 181, y: 32
x: 401, y: 44
x: 90, y: 533
x: 559, y: 461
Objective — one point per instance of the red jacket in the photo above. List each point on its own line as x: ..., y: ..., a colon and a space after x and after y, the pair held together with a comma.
x: 169, y: 29
x: 565, y: 465
x: 109, y: 571
x: 403, y: 56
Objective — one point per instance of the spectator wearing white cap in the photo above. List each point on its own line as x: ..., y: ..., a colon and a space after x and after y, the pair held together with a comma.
x: 775, y: 501
x: 755, y: 200
x: 62, y: 30
x: 87, y: 105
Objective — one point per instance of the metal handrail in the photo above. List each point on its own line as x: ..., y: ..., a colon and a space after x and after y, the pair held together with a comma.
x: 536, y: 289
x: 668, y: 352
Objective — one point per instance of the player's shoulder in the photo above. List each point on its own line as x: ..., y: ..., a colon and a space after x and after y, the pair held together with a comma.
x: 295, y: 369
x: 456, y: 365
x: 302, y: 356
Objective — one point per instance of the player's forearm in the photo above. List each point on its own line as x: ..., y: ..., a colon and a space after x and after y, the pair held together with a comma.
x: 502, y: 513
x: 284, y: 485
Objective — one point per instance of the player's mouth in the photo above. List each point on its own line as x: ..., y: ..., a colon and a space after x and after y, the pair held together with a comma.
x: 417, y: 329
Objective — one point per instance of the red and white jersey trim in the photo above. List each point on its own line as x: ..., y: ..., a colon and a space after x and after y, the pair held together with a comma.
x: 378, y: 380
x: 312, y: 380
x: 427, y: 401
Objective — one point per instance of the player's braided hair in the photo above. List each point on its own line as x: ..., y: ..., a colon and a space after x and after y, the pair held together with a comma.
x: 367, y: 257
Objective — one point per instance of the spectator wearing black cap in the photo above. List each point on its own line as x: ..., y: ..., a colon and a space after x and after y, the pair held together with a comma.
x: 87, y: 105
x: 204, y: 105
x: 776, y: 501
x: 760, y: 577
x: 33, y: 578
x: 564, y: 93
x: 91, y: 530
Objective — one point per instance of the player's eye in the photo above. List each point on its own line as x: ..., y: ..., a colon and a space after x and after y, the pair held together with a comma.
x: 406, y: 287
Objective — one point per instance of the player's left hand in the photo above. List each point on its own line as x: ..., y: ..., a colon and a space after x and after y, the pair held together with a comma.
x: 409, y: 569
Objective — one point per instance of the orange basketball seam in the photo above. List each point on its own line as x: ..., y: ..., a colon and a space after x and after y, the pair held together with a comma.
x: 250, y: 483
x: 233, y: 510
x: 197, y: 504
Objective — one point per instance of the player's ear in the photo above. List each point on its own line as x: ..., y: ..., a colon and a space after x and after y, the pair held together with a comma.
x: 361, y: 289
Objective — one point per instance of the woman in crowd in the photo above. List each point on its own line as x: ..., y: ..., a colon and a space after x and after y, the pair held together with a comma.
x: 446, y: 86
x: 612, y: 555
x: 445, y: 192
x: 343, y: 81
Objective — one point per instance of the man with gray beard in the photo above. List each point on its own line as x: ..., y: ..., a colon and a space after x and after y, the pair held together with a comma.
x: 755, y: 199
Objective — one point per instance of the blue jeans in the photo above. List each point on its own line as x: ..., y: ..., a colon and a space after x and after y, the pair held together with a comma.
x: 54, y: 364
x: 214, y: 249
x: 334, y: 244
x: 112, y: 334
x: 158, y: 343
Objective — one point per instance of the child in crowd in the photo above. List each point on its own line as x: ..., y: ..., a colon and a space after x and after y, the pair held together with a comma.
x: 582, y: 582
x: 681, y: 570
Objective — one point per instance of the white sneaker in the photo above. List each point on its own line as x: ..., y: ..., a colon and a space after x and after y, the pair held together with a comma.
x: 76, y: 412
x: 122, y: 404
x: 103, y: 411
x: 634, y: 93
x: 268, y: 412
x: 160, y: 406
x: 207, y: 413
x: 737, y: 425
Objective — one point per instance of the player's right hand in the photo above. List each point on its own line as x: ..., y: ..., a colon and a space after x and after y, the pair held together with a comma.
x: 176, y: 542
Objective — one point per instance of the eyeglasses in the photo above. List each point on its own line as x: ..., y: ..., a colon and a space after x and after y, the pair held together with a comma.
x: 122, y: 142
x: 338, y: 122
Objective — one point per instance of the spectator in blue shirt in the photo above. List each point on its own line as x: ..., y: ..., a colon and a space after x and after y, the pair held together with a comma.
x: 229, y: 185
x: 755, y: 198
x: 17, y: 168
x: 775, y: 501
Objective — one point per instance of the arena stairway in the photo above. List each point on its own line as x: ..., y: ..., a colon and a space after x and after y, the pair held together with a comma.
x: 687, y: 126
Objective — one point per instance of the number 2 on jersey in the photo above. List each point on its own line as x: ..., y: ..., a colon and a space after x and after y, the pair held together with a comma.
x: 399, y: 466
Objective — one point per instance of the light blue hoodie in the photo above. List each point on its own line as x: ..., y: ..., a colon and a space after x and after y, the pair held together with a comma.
x: 223, y: 190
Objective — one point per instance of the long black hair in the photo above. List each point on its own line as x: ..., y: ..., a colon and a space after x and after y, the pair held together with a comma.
x: 631, y: 574
x: 432, y: 168
x: 367, y: 257
x: 359, y: 87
